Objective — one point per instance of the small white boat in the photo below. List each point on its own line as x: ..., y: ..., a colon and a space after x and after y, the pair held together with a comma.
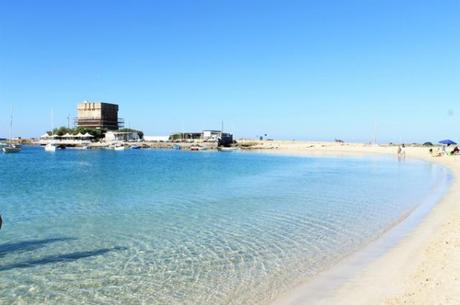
x: 227, y: 149
x: 50, y: 147
x: 120, y: 148
x: 77, y: 147
x: 11, y: 148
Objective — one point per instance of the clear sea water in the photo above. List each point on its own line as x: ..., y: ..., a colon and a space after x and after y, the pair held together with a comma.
x: 175, y: 227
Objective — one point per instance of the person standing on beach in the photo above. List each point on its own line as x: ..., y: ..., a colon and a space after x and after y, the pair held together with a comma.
x: 401, y: 152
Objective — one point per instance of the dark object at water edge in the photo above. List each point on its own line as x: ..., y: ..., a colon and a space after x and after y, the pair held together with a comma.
x: 1, y: 221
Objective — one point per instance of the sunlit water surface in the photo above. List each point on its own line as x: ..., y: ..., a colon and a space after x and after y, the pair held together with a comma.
x: 172, y: 227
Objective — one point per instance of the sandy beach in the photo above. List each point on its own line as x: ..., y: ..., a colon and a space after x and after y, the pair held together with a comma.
x: 422, y: 268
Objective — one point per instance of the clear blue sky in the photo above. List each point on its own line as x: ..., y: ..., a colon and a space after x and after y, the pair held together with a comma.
x: 292, y: 69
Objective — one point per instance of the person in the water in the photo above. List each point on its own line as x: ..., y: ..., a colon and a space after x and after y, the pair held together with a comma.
x: 1, y: 221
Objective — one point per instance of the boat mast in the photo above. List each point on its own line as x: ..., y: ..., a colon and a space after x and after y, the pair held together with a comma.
x: 11, y: 124
x: 52, y: 121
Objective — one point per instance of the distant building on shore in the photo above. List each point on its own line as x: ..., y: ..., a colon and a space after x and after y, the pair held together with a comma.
x: 98, y: 115
x: 186, y: 136
x: 213, y: 136
x: 156, y: 138
x: 121, y: 136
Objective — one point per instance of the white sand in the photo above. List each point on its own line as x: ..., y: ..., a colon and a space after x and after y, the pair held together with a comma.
x: 423, y: 268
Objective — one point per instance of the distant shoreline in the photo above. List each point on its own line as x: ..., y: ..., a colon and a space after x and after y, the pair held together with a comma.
x: 279, y: 146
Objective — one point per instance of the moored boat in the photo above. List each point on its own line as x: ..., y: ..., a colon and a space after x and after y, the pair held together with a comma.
x: 11, y: 148
x: 50, y: 147
x: 120, y: 147
x: 77, y: 147
x: 227, y: 149
x: 196, y: 148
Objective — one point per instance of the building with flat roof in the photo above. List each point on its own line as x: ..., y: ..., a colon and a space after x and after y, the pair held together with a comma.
x: 98, y: 115
x: 156, y: 138
x: 122, y: 136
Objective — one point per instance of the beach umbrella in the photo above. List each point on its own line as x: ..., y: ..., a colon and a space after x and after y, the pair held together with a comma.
x: 447, y: 142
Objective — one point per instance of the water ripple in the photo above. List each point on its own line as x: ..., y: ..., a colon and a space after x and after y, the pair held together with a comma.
x: 165, y: 227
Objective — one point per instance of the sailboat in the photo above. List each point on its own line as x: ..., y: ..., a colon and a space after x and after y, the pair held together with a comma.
x: 10, y: 147
x: 51, y: 146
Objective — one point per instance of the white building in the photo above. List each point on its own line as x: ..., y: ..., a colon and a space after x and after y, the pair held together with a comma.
x: 211, y: 135
x: 156, y: 138
x: 121, y: 136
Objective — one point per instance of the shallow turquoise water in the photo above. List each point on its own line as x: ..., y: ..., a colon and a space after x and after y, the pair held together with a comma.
x: 172, y: 227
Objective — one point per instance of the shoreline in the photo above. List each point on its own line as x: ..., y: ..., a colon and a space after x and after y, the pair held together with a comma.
x: 421, y: 267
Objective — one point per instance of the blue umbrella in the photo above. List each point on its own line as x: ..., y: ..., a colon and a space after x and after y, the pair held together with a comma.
x: 447, y: 142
